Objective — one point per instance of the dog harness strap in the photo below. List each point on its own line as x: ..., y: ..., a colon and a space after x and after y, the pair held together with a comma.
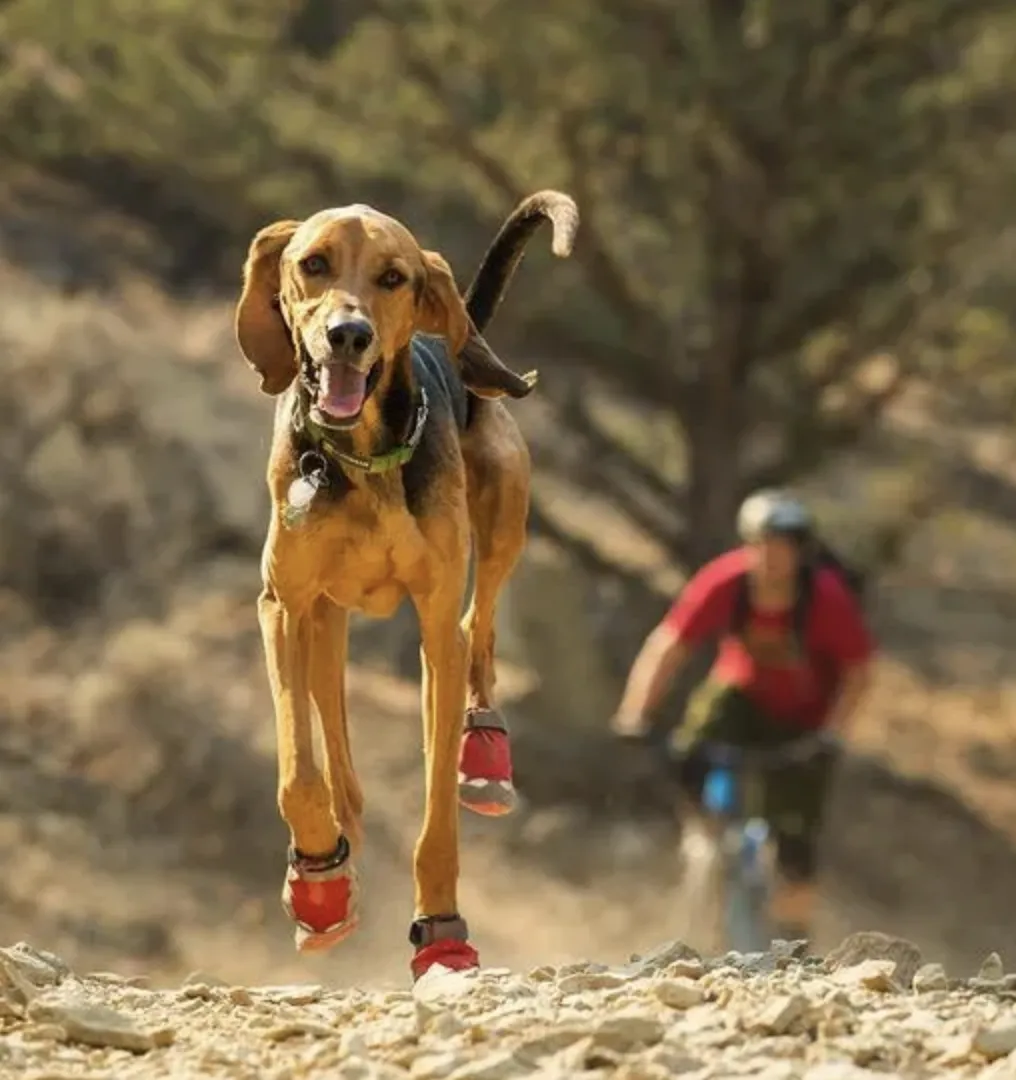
x: 320, y: 867
x: 485, y: 720
x: 431, y: 928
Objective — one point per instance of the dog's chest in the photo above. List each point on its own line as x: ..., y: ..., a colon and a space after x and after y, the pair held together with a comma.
x: 370, y: 556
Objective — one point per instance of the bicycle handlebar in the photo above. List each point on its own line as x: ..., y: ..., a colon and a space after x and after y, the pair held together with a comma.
x: 730, y: 755
x: 767, y: 757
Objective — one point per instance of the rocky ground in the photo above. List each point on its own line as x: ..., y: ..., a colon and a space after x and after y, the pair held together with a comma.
x: 871, y: 1007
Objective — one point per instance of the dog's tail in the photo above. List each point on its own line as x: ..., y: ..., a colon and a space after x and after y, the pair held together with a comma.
x: 499, y: 264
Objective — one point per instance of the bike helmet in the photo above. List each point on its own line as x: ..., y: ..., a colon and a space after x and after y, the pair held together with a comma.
x: 770, y: 512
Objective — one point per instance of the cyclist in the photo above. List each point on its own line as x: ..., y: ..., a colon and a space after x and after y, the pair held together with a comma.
x: 778, y: 675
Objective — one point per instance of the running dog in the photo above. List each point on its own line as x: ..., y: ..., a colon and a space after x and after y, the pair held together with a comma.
x: 393, y: 458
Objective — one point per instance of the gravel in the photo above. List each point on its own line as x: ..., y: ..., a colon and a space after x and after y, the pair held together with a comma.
x: 871, y: 1008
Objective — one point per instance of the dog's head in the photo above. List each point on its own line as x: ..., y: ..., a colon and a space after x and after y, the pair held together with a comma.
x: 335, y: 299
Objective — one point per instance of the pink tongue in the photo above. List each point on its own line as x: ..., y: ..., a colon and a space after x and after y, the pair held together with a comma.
x: 342, y: 390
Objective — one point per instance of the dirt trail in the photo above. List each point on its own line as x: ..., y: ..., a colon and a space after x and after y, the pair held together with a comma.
x: 870, y: 1008
x: 174, y: 863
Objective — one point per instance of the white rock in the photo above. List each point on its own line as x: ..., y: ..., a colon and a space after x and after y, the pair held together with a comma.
x: 544, y: 973
x: 930, y: 977
x: 445, y: 1025
x: 871, y: 945
x: 14, y: 984
x: 678, y: 993
x: 440, y: 984
x: 292, y: 995
x: 549, y: 1042
x: 871, y: 974
x: 297, y: 1027
x: 39, y: 968
x: 1003, y: 1069
x: 991, y: 969
x: 436, y: 1066
x: 352, y: 1044
x: 97, y: 1025
x: 498, y: 1066
x: 996, y: 1041
x: 660, y: 958
x: 674, y: 1059
x: 624, y: 1031
x: 356, y: 1068
x: 685, y: 969
x: 841, y: 1070
x: 583, y: 981
x: 203, y: 978
x: 780, y: 1014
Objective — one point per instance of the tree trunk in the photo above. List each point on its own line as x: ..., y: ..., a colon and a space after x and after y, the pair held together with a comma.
x: 714, y: 437
x: 545, y: 628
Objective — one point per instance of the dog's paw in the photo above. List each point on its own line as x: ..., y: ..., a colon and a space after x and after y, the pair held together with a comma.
x: 485, y: 765
x: 444, y: 940
x: 491, y: 798
x: 321, y: 897
x: 453, y: 955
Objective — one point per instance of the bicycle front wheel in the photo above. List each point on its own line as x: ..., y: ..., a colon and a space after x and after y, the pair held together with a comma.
x: 748, y: 886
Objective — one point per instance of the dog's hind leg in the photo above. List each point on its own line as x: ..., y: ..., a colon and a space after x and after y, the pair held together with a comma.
x: 497, y: 471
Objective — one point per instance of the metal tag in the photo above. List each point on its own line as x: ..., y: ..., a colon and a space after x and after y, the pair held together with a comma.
x: 304, y: 488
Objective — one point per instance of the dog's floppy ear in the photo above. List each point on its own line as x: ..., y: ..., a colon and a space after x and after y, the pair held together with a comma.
x: 261, y: 331
x: 442, y: 311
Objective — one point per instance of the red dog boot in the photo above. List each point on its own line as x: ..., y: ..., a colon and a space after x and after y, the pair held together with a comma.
x: 320, y: 896
x: 444, y: 940
x: 485, y: 765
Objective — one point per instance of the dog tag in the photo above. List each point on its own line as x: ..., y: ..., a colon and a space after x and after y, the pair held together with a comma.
x: 302, y: 490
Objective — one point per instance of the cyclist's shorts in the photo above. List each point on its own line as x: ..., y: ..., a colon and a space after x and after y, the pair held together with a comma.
x: 791, y: 797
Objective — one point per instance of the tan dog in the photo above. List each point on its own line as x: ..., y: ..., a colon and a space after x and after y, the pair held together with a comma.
x: 391, y: 460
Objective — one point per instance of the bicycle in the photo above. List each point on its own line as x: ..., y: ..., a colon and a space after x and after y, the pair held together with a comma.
x: 729, y: 860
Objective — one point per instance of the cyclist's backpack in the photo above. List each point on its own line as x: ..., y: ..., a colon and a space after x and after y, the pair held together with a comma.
x: 822, y: 557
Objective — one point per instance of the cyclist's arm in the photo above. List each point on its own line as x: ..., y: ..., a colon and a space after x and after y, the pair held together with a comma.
x: 854, y: 685
x: 852, y: 647
x: 658, y: 661
x: 698, y: 614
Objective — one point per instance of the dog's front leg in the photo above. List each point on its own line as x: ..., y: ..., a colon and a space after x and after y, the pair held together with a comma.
x: 319, y: 892
x: 328, y: 691
x: 438, y: 932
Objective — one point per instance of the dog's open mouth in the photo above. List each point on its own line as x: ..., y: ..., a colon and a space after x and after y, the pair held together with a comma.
x: 339, y: 391
x: 342, y: 390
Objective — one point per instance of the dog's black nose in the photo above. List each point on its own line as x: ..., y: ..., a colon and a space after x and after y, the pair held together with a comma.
x: 351, y: 336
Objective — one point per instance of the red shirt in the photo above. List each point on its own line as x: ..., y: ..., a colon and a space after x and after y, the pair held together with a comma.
x: 765, y: 661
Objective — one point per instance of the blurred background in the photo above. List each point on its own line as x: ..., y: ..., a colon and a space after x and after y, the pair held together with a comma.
x: 796, y: 263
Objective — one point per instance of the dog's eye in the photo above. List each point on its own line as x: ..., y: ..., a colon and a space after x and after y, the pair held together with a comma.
x: 392, y: 278
x: 314, y: 265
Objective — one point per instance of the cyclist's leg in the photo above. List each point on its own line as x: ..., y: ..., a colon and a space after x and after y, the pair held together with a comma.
x: 796, y: 798
x: 716, y: 713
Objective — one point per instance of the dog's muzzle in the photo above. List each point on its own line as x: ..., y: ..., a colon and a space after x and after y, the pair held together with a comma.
x: 340, y: 383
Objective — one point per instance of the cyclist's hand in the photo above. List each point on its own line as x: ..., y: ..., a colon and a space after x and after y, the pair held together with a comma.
x: 821, y: 742
x: 831, y: 742
x: 629, y: 725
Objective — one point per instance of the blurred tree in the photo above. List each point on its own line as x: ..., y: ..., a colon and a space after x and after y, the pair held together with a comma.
x: 788, y: 209
x: 780, y: 201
